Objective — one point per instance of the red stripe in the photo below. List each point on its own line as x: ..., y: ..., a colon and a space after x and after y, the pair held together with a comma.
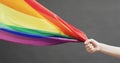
x: 64, y: 26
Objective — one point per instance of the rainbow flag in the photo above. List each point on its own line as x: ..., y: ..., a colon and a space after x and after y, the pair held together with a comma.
x: 28, y: 22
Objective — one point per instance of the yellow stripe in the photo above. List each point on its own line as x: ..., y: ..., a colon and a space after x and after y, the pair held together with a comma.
x: 15, y: 18
x: 22, y: 6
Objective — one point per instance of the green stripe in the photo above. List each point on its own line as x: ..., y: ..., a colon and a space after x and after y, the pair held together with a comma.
x: 31, y: 31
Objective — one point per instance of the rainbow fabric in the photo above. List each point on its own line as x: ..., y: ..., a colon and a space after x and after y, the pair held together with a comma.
x: 28, y: 22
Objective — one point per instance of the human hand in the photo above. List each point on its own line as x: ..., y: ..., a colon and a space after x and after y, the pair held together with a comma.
x: 92, y: 45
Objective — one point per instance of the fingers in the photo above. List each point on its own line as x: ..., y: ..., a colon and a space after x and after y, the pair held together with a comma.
x: 91, y: 45
x: 91, y: 41
x: 90, y: 48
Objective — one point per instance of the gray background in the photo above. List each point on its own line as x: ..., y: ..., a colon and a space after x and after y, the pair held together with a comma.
x: 99, y: 19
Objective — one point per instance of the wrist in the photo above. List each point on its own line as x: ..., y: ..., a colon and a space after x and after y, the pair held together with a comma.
x: 101, y: 47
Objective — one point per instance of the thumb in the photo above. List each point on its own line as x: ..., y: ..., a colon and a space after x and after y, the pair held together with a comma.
x: 94, y: 42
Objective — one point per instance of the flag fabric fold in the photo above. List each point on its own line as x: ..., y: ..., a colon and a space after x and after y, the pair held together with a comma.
x: 28, y: 22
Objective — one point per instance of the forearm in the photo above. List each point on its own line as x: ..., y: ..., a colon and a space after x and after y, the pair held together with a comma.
x: 110, y: 50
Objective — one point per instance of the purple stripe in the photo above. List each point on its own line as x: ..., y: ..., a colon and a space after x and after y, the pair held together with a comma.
x: 34, y: 41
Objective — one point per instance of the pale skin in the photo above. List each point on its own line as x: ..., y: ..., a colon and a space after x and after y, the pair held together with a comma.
x: 93, y: 46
